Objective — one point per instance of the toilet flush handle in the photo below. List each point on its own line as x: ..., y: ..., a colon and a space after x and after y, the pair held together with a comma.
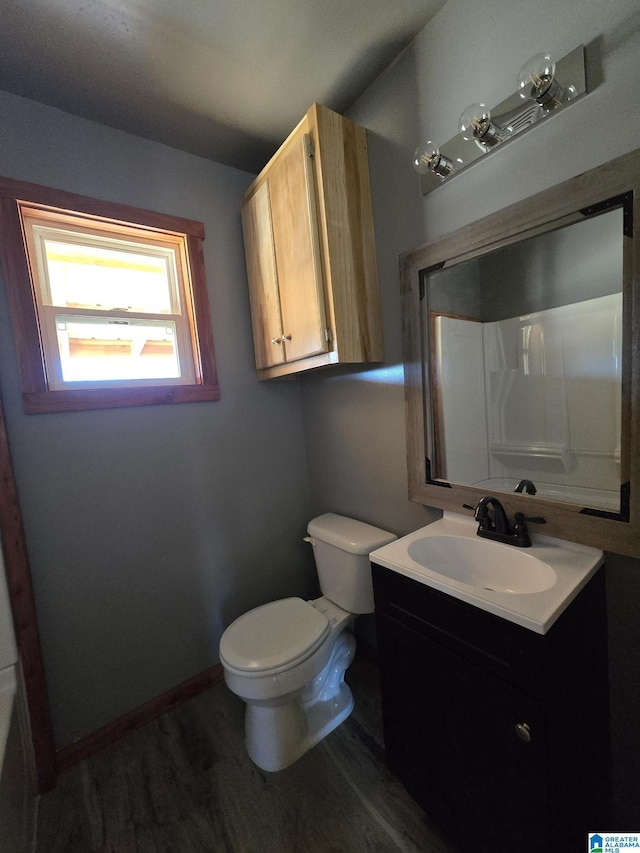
x: 309, y: 539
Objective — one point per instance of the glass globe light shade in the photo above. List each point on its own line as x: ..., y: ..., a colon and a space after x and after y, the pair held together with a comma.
x: 423, y: 158
x: 535, y: 76
x: 429, y: 159
x: 474, y: 121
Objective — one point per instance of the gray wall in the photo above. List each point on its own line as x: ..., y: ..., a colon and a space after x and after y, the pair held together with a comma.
x: 457, y: 289
x: 150, y: 528
x: 472, y: 51
x: 582, y: 261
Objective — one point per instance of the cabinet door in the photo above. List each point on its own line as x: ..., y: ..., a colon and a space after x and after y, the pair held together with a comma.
x: 450, y: 737
x: 263, y: 282
x: 295, y: 236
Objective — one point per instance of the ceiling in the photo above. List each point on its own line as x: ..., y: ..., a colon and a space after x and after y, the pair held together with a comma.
x: 224, y: 79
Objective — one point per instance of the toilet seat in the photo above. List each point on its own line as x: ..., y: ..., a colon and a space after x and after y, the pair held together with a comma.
x: 273, y: 637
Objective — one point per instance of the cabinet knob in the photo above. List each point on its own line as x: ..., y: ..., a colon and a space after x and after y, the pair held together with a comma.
x: 276, y: 341
x: 286, y: 338
x: 523, y: 731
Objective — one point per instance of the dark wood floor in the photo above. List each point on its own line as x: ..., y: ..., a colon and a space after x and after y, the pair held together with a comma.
x: 184, y: 784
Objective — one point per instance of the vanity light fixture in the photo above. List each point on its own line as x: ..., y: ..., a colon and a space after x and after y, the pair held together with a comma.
x: 544, y: 87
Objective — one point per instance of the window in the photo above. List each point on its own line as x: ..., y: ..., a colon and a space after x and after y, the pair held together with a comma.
x: 109, y: 303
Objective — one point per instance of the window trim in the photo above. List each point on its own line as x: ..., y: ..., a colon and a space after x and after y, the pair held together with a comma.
x: 36, y: 395
x: 41, y: 223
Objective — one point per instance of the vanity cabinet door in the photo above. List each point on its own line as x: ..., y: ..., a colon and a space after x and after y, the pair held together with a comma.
x: 468, y: 746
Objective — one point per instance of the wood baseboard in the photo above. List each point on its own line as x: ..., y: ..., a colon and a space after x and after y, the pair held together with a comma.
x: 112, y: 732
x: 67, y: 756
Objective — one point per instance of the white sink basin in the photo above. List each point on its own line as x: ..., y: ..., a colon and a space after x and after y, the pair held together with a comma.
x: 482, y: 564
x: 528, y: 586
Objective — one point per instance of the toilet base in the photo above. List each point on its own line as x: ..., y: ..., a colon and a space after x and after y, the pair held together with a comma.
x: 278, y: 732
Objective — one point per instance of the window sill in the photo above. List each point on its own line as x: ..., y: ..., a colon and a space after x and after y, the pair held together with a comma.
x: 42, y: 402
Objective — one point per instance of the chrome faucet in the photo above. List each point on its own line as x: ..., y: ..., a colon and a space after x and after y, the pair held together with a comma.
x: 494, y: 524
x: 526, y: 485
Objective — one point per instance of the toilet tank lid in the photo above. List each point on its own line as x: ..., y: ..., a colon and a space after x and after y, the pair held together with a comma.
x: 350, y: 535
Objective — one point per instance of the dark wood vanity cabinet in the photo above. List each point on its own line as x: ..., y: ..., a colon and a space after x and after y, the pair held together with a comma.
x: 499, y: 733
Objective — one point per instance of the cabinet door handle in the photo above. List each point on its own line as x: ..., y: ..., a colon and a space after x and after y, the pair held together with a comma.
x: 276, y: 341
x: 523, y: 731
x: 286, y: 338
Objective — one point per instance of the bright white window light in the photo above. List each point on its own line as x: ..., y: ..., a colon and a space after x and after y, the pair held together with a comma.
x: 95, y: 276
x: 92, y: 348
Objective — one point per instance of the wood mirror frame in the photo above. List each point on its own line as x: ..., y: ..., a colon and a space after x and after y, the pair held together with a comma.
x: 553, y: 208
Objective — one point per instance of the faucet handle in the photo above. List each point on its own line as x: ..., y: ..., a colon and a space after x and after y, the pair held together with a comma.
x: 485, y: 521
x: 535, y: 519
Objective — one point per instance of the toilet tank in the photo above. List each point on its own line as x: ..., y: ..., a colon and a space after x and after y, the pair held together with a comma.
x: 341, y: 547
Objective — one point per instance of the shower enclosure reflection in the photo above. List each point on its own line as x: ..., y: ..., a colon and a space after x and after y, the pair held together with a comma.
x: 524, y: 365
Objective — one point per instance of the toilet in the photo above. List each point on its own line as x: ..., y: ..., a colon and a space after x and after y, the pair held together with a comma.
x: 287, y: 659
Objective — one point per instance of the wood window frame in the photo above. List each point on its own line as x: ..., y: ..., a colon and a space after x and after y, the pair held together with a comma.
x: 36, y: 395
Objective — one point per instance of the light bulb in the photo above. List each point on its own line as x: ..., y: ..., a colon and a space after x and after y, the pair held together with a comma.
x: 536, y: 80
x: 475, y: 124
x: 428, y: 158
x: 423, y: 157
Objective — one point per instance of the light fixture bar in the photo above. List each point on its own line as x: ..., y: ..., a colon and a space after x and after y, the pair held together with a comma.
x: 509, y: 118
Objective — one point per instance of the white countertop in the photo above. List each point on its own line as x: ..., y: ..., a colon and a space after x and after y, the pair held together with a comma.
x: 573, y: 564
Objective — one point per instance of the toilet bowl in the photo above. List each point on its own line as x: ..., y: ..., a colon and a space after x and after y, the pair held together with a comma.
x: 287, y: 659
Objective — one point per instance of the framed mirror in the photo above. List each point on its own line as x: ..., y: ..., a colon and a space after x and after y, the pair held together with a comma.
x: 521, y: 360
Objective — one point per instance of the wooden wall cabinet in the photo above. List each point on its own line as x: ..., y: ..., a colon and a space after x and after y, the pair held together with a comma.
x: 309, y: 245
x: 499, y: 733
